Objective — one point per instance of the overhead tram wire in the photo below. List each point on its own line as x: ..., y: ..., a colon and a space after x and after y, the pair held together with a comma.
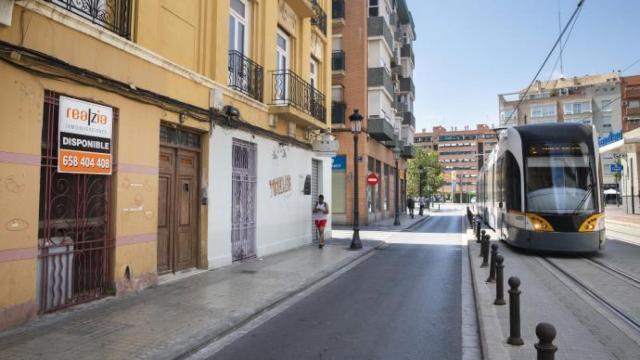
x: 555, y: 45
x: 564, y: 44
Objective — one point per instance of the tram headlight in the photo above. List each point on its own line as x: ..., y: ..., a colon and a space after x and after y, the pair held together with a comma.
x: 538, y: 223
x: 594, y: 222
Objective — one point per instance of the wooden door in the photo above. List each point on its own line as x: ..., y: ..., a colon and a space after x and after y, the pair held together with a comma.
x: 177, y: 210
x: 186, y: 239
x: 166, y: 184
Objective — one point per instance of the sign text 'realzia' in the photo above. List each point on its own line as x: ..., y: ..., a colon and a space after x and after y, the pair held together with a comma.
x: 280, y: 185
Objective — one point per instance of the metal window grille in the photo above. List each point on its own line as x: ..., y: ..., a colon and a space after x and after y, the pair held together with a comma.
x: 291, y: 89
x: 245, y: 75
x: 113, y: 15
x: 244, y: 179
x: 74, y: 231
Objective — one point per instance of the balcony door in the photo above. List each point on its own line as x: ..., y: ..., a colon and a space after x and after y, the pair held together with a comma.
x: 238, y: 44
x: 283, y: 47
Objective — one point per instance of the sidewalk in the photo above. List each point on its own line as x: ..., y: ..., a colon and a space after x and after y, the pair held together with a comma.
x: 170, y: 320
x: 622, y: 226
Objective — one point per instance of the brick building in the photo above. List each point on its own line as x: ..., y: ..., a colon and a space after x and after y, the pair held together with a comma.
x: 461, y: 154
x: 373, y: 64
x: 630, y: 92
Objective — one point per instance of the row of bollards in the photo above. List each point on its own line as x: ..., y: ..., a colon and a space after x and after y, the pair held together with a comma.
x: 545, y: 332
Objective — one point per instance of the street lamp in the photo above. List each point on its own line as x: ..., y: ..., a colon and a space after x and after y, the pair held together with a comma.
x: 356, y: 127
x: 422, y: 173
x: 396, y: 157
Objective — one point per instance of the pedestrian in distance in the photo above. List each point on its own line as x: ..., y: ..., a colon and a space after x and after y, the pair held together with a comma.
x: 411, y: 205
x: 320, y: 212
x: 421, y: 202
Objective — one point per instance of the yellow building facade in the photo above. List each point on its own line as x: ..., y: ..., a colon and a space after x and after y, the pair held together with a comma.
x: 110, y: 121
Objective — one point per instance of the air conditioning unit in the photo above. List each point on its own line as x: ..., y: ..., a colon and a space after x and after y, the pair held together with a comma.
x: 6, y: 10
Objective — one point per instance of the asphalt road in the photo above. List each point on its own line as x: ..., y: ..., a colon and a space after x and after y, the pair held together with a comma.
x: 401, y: 303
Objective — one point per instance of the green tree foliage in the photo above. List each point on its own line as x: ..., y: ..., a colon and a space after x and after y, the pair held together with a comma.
x: 433, y: 178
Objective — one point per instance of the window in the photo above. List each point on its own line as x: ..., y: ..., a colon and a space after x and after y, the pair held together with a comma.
x: 634, y: 104
x: 374, y: 8
x: 313, y: 73
x: 238, y: 32
x: 336, y: 43
x: 577, y: 107
x: 337, y: 93
x: 543, y: 111
x: 605, y: 105
x: 506, y: 115
x: 512, y: 191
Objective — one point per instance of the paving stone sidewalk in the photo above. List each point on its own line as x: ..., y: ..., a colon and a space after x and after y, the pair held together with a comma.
x: 583, y: 333
x: 406, y: 223
x: 170, y: 320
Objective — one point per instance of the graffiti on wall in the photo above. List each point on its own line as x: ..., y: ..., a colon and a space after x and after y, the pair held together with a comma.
x: 280, y: 185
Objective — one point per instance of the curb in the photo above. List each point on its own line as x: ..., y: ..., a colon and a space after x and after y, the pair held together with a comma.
x: 202, y: 343
x: 498, y: 353
x: 416, y: 224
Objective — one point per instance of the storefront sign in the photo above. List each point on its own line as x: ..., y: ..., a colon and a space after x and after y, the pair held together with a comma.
x: 84, y: 137
x: 615, y: 168
x: 339, y: 162
x: 609, y: 139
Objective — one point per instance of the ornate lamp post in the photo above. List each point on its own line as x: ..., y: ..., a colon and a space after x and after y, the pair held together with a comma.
x: 396, y: 157
x: 356, y: 127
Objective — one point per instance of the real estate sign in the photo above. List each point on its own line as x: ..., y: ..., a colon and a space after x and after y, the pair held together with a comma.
x: 84, y: 137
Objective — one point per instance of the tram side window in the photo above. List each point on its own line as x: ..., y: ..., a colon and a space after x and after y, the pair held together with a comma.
x: 512, y: 180
x: 500, y: 181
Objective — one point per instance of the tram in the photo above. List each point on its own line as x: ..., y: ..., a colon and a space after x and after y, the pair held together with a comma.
x: 540, y: 188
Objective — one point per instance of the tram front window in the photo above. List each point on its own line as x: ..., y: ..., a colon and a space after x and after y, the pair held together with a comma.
x: 560, y: 179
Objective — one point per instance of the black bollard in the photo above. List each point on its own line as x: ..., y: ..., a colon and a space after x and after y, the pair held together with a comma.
x: 492, y: 263
x: 545, y: 348
x: 499, y: 281
x: 514, y: 312
x: 485, y: 251
x: 477, y: 230
x: 482, y: 235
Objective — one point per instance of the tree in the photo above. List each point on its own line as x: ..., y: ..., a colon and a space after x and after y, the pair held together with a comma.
x: 433, y: 178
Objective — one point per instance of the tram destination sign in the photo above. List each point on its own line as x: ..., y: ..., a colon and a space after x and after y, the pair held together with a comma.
x: 84, y: 137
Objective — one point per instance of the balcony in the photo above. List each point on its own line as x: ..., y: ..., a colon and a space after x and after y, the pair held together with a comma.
x: 293, y: 98
x: 406, y: 85
x: 113, y: 15
x: 407, y: 51
x: 408, y: 119
x: 633, y: 111
x: 245, y: 75
x: 337, y: 10
x: 380, y: 129
x: 319, y: 18
x: 380, y: 77
x: 408, y: 152
x: 377, y: 26
x: 338, y: 112
x: 337, y: 61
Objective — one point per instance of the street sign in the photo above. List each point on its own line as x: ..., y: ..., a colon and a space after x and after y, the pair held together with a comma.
x: 339, y: 162
x: 616, y: 168
x: 372, y: 180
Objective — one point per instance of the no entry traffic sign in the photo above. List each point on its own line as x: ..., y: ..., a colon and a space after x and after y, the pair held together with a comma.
x: 372, y: 180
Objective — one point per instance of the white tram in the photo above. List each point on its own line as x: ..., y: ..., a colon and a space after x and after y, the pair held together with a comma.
x: 541, y: 188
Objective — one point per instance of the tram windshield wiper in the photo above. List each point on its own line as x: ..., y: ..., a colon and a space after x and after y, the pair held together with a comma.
x: 584, y: 198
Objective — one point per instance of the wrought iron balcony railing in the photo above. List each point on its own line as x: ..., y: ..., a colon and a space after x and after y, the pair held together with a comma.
x: 245, y: 75
x: 290, y: 89
x: 320, y: 17
x: 337, y: 60
x: 337, y: 8
x: 338, y: 112
x: 113, y: 15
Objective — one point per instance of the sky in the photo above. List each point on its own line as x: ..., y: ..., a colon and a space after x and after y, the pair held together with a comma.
x: 469, y: 51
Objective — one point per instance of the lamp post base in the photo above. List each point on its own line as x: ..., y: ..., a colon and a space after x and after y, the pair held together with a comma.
x: 396, y: 221
x: 356, y: 244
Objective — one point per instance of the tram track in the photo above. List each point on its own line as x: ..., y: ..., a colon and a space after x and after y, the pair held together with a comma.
x: 613, y: 307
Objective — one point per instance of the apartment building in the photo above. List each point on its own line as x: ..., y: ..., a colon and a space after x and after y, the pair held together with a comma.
x: 461, y: 154
x: 144, y: 138
x: 591, y: 99
x: 373, y: 64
